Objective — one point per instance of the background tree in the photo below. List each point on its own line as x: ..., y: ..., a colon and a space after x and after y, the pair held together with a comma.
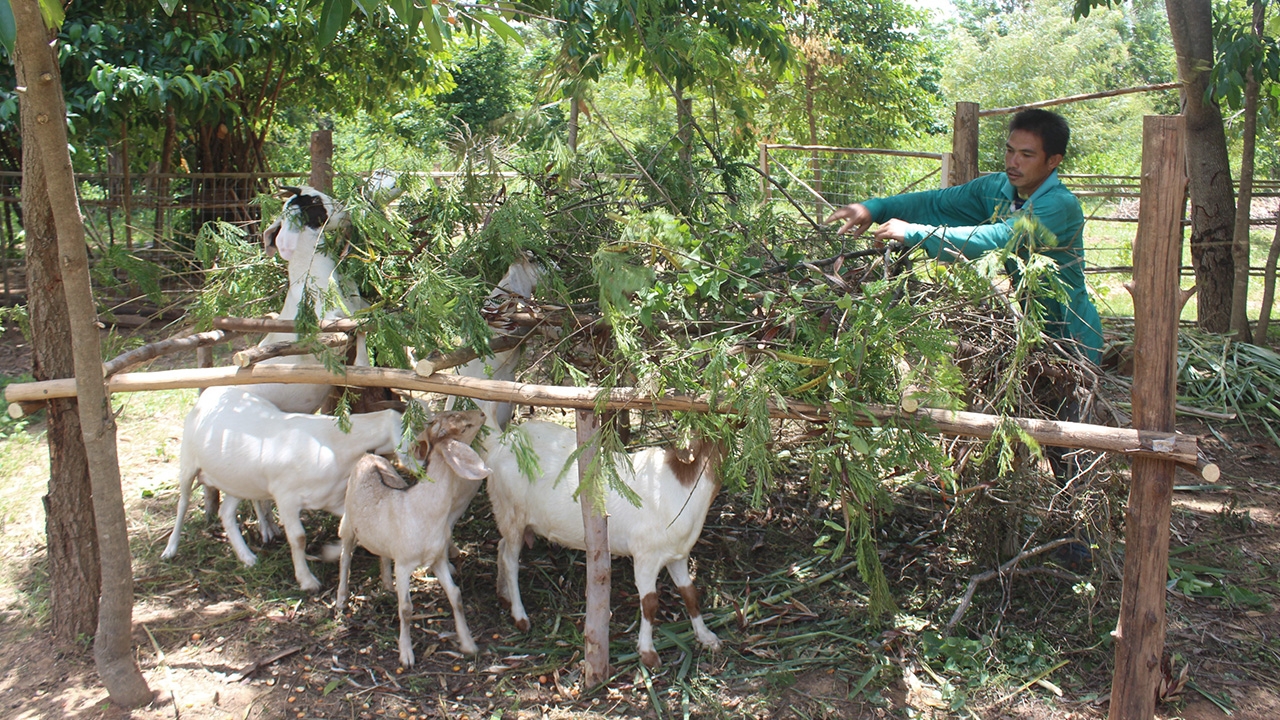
x: 866, y: 75
x: 37, y: 66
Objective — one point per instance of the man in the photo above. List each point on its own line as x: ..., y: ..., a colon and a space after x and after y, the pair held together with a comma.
x: 1026, y: 205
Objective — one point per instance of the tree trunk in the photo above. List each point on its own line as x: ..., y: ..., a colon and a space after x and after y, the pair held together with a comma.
x: 574, y: 119
x: 684, y: 129
x: 37, y: 71
x: 815, y: 166
x: 1208, y: 167
x: 1240, y: 246
x: 166, y: 166
x: 1268, y: 288
x: 74, y: 573
x: 1240, y: 235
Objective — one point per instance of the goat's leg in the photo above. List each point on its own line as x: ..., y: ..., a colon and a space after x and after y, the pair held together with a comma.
x: 646, y: 570
x: 465, y: 642
x: 679, y: 572
x: 388, y: 582
x: 211, y: 499
x: 509, y: 580
x: 291, y: 516
x: 187, y: 476
x: 348, y: 536
x: 404, y: 573
x: 267, y: 526
x: 232, y: 528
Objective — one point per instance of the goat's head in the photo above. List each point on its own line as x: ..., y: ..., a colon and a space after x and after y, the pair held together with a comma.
x: 307, y: 212
x: 447, y: 437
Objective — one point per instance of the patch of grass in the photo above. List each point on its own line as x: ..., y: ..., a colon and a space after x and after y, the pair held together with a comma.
x: 1110, y: 244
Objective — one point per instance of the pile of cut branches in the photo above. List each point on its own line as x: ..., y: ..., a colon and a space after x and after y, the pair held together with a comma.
x: 734, y: 302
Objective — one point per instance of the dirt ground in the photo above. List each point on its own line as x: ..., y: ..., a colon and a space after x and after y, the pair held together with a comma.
x: 217, y: 641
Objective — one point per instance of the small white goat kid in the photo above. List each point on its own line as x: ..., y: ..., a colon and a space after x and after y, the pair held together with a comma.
x: 675, y: 493
x: 412, y: 525
x: 297, y: 236
x: 244, y: 446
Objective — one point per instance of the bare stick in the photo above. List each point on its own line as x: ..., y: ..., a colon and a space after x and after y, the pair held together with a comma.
x: 154, y: 350
x: 1171, y: 446
x: 1078, y: 98
x: 258, y: 353
x: 436, y: 362
x: 254, y: 325
x: 1002, y: 570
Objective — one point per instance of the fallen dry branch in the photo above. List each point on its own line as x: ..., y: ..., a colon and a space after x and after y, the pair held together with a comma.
x: 1004, y: 569
x: 1175, y: 447
x: 154, y: 350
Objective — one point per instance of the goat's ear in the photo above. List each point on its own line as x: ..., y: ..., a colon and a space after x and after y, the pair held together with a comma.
x: 287, y: 192
x: 421, y: 450
x: 463, y: 460
x: 269, y: 239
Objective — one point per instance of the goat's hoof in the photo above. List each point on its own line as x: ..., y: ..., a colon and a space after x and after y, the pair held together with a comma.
x: 406, y: 659
x: 522, y: 624
x: 650, y: 659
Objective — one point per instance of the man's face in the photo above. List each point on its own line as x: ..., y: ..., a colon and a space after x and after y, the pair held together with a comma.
x: 1025, y: 162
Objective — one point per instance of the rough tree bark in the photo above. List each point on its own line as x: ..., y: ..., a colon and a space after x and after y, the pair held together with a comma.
x: 40, y: 86
x: 74, y: 574
x: 1212, y: 208
x: 1240, y: 236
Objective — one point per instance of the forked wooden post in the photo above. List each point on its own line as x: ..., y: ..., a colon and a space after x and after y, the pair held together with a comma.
x: 1157, y: 302
x: 595, y: 626
x: 964, y: 144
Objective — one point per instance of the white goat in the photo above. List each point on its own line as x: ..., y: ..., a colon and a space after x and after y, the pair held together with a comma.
x: 297, y: 235
x: 675, y: 492
x: 411, y: 525
x: 516, y: 285
x: 250, y: 450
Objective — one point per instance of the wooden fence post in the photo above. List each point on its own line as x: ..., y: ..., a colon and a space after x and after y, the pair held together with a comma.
x: 595, y: 626
x: 964, y: 144
x: 1157, y: 302
x: 321, y: 161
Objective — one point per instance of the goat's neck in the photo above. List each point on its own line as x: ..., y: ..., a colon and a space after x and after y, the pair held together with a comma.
x: 308, y: 269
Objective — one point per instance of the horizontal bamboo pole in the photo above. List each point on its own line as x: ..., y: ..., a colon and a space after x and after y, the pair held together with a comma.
x: 1138, y: 443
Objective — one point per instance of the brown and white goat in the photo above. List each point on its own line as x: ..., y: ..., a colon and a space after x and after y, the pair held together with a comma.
x: 675, y: 491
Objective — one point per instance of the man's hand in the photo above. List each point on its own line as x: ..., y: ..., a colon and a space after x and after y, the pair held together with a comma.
x: 892, y: 230
x: 855, y: 215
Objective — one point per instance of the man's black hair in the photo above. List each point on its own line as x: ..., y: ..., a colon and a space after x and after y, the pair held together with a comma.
x: 1050, y: 126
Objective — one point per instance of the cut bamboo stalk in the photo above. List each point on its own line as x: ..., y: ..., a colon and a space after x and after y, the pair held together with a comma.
x: 1171, y: 446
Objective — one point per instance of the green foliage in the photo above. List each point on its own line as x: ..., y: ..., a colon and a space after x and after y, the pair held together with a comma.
x: 866, y: 75
x: 1039, y: 52
x: 239, y: 279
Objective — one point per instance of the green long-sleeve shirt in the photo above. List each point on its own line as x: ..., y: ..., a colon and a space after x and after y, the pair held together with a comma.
x: 969, y: 220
